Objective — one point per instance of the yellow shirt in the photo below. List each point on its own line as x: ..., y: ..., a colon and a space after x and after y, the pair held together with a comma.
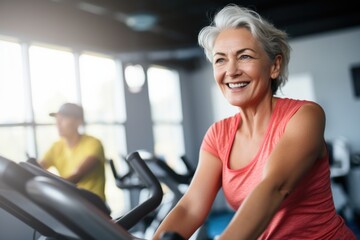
x: 66, y: 159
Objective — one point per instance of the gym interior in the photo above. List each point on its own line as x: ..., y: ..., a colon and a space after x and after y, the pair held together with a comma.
x: 147, y: 87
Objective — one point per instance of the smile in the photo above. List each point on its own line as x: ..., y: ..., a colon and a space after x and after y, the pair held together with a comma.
x: 237, y: 85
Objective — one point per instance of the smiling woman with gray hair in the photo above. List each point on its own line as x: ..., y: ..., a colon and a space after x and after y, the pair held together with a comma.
x: 270, y: 158
x: 273, y: 40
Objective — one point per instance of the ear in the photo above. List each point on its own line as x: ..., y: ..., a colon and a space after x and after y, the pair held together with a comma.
x: 275, y: 68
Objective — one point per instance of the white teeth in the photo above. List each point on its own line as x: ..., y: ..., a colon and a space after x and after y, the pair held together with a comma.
x: 238, y: 85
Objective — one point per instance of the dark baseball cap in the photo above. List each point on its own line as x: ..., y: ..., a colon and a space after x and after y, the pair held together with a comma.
x: 70, y: 110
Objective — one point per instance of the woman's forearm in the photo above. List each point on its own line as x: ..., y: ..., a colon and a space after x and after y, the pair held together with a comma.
x: 179, y: 220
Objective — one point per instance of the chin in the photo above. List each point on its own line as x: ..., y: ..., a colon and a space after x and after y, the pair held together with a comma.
x: 235, y: 102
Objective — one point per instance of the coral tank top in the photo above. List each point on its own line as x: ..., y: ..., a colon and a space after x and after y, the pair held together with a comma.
x: 309, y: 211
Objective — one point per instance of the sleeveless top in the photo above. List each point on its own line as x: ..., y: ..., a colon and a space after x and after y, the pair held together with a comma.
x: 309, y: 211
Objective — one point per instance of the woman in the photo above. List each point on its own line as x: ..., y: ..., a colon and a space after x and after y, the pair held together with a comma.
x: 270, y: 158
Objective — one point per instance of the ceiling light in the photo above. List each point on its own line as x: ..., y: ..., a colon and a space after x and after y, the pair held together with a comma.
x: 135, y: 77
x: 141, y: 21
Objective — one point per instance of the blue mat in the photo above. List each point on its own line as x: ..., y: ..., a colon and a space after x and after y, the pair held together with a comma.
x: 218, y: 221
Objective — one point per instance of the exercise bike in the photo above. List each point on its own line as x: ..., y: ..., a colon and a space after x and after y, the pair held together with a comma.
x: 58, y: 210
x: 171, y: 182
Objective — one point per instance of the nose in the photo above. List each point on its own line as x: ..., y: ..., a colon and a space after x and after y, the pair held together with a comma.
x: 232, y: 68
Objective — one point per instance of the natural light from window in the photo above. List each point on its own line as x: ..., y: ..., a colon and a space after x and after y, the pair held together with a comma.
x: 166, y: 110
x: 100, y: 88
x: 53, y: 82
x: 12, y: 101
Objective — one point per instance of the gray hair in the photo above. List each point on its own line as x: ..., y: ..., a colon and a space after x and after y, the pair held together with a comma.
x: 273, y: 40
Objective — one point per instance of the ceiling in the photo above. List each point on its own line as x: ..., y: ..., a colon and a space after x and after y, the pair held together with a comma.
x: 177, y: 22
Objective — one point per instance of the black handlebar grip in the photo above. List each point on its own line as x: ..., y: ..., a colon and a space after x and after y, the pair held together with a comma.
x: 152, y: 183
x: 171, y: 236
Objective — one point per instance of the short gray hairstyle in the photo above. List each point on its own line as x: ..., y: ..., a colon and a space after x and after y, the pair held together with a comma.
x: 273, y: 40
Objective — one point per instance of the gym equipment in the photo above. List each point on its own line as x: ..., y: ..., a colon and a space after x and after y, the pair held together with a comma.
x: 354, y: 189
x: 60, y: 211
x: 171, y: 236
x: 134, y: 171
x: 131, y: 183
x: 339, y: 159
x: 33, y: 166
x: 173, y: 182
x: 172, y: 193
x: 15, y: 200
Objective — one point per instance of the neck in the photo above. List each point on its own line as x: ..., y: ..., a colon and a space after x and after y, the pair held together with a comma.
x: 255, y: 120
x: 73, y: 139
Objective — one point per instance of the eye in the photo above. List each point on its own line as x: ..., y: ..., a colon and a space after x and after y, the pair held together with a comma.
x: 219, y: 60
x: 244, y: 57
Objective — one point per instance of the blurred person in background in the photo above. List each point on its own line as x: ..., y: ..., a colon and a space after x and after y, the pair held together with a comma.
x: 79, y: 158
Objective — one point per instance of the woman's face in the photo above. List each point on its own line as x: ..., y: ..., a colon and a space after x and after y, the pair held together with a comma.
x: 242, y: 69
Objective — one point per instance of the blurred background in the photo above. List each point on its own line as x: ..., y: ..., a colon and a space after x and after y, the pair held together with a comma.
x: 145, y: 84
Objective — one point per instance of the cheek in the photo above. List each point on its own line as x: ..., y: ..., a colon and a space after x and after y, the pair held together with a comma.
x: 65, y: 125
x: 62, y: 127
x: 258, y: 72
x: 218, y: 75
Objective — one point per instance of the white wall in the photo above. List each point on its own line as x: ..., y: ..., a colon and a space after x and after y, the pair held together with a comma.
x: 328, y: 59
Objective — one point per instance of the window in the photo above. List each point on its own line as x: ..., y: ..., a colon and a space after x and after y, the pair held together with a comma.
x: 12, y: 102
x: 166, y: 110
x: 53, y: 82
x: 36, y: 79
x: 100, y: 88
x: 13, y: 142
x: 11, y: 81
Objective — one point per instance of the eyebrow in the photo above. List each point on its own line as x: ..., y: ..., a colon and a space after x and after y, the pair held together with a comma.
x: 237, y: 52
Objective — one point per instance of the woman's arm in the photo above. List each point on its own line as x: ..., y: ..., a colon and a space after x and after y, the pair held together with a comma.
x: 297, y: 151
x: 193, y: 208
